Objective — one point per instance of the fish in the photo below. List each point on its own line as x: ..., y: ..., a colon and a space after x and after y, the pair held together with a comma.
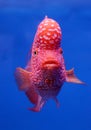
x: 45, y: 73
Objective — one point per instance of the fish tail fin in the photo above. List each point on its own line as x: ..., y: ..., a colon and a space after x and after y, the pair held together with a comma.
x: 22, y: 78
x: 71, y: 77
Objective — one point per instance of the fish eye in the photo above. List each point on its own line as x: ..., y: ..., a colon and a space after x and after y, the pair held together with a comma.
x: 35, y: 52
x: 61, y: 51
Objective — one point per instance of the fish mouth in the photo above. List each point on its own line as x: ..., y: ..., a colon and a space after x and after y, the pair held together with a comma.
x: 51, y: 64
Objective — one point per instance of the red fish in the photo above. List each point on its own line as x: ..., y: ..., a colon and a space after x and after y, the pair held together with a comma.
x: 45, y: 73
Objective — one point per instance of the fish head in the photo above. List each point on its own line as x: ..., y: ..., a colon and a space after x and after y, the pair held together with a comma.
x: 46, y: 50
x: 47, y: 59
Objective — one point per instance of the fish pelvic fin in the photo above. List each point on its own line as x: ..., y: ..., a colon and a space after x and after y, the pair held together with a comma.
x: 71, y: 77
x: 32, y: 95
x: 39, y: 105
x: 57, y: 102
x: 22, y: 78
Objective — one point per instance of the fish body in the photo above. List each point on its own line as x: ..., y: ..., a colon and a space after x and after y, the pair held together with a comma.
x: 45, y: 72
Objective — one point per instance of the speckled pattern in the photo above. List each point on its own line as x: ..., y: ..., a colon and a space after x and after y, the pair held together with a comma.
x: 47, y: 63
x: 48, y: 35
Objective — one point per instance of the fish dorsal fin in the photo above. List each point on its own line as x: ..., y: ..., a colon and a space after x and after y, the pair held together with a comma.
x: 29, y: 54
x: 70, y: 77
x: 22, y: 78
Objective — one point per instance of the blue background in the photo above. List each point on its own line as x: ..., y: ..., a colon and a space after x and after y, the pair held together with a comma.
x: 18, y: 24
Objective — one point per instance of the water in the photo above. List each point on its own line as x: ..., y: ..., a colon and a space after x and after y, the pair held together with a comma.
x: 18, y: 24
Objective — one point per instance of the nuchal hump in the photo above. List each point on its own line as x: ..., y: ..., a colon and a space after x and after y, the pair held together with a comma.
x: 48, y: 35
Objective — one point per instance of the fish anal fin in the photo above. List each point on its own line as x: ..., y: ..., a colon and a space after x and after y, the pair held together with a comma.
x: 22, y: 78
x: 71, y: 77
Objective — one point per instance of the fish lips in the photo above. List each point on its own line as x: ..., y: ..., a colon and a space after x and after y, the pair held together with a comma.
x: 51, y: 64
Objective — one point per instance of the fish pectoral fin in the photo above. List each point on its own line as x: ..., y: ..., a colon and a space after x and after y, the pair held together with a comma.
x: 22, y: 78
x: 70, y: 77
